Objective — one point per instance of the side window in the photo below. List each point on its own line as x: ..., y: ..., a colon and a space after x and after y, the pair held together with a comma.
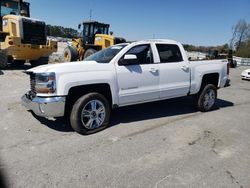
x: 169, y: 53
x: 143, y: 53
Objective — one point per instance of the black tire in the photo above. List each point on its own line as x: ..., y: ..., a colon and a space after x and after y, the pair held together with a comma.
x: 19, y: 62
x: 89, y: 52
x: 40, y: 61
x: 3, y: 60
x: 206, y: 98
x: 70, y: 54
x: 80, y: 121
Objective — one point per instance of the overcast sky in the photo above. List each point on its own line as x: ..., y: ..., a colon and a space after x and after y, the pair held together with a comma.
x: 198, y: 22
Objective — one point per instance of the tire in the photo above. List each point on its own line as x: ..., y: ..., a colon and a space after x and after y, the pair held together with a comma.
x: 91, y: 121
x: 89, y: 52
x: 19, y: 62
x: 206, y: 98
x: 70, y: 54
x: 40, y: 61
x: 3, y: 60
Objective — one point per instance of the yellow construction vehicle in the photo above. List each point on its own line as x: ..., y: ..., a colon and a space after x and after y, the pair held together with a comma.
x: 21, y: 37
x: 95, y: 37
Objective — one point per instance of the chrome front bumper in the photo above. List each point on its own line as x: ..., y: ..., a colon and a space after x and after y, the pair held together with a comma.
x: 45, y: 107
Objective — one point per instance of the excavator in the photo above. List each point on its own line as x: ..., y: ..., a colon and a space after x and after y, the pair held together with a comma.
x: 95, y: 37
x: 22, y: 38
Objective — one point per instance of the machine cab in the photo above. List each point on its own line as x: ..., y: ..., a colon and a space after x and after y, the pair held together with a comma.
x: 91, y: 28
x: 15, y: 7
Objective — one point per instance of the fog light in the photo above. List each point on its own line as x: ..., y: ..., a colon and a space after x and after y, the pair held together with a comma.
x: 41, y: 108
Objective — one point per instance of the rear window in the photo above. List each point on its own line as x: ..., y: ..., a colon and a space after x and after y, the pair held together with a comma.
x: 169, y: 53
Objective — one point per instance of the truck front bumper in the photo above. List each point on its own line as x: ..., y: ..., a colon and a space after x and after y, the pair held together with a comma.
x: 45, y: 107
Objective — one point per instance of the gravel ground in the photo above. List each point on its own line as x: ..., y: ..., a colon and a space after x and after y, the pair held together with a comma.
x: 160, y: 144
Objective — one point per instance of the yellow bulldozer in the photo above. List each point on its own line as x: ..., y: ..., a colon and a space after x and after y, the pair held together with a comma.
x: 95, y: 37
x: 21, y: 37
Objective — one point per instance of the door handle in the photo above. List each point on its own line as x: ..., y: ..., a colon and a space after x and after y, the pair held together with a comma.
x: 185, y: 68
x: 153, y: 70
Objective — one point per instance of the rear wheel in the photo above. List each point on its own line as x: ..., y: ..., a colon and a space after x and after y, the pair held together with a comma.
x: 70, y: 54
x: 89, y: 52
x: 206, y: 98
x: 3, y: 60
x: 90, y: 114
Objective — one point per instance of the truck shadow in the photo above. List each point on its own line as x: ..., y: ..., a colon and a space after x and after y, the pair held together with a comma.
x: 155, y: 110
x: 147, y: 111
x: 57, y: 124
x: 3, y: 178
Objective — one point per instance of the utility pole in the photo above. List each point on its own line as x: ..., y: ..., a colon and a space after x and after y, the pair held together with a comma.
x: 90, y: 14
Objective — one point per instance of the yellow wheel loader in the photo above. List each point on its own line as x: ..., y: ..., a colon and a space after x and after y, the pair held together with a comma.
x: 95, y: 37
x: 23, y: 38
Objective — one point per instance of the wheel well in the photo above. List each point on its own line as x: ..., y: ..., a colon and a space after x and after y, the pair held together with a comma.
x: 78, y: 91
x: 212, y: 78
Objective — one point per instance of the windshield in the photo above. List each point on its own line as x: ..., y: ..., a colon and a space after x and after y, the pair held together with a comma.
x: 12, y: 7
x: 106, y: 55
x: 9, y: 7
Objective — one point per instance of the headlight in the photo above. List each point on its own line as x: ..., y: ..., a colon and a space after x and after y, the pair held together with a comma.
x: 45, y: 83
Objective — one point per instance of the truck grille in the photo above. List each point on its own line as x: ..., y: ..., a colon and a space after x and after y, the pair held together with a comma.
x: 34, y: 32
x: 33, y: 83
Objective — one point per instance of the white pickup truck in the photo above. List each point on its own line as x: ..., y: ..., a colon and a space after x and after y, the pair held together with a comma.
x: 122, y: 75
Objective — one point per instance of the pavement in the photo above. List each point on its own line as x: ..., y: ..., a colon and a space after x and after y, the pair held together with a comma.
x: 155, y: 145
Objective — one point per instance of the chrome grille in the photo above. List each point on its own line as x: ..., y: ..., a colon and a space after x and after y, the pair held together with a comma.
x: 33, y: 83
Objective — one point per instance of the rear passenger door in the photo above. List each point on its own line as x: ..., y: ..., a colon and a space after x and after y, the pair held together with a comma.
x: 174, y: 71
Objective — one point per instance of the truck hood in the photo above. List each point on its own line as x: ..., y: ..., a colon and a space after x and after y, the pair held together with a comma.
x: 79, y: 66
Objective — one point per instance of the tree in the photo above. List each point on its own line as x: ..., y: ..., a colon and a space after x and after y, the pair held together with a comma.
x: 59, y: 31
x: 241, y: 33
x: 244, y: 50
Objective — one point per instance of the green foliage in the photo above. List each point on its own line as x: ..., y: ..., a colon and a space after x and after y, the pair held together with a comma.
x: 205, y: 49
x: 59, y: 31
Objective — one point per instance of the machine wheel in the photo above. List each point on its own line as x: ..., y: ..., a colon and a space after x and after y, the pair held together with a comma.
x: 206, y: 98
x: 3, y: 60
x: 89, y: 52
x: 70, y: 54
x: 19, y: 62
x: 90, y: 114
x: 40, y: 61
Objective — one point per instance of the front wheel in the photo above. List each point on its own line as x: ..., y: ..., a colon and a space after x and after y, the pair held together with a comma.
x: 90, y: 114
x: 89, y: 52
x: 206, y: 98
x: 70, y: 54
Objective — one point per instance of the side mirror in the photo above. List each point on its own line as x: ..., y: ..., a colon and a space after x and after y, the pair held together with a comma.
x: 79, y: 26
x: 129, y: 59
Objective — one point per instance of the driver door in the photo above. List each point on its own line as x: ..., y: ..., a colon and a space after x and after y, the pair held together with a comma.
x: 138, y: 80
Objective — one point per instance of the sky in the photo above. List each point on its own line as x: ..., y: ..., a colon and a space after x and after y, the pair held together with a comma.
x: 197, y: 22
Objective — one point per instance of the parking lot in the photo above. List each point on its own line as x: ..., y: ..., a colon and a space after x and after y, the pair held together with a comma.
x: 160, y: 144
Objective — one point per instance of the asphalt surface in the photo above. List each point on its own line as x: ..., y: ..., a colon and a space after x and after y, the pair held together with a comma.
x: 160, y: 144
